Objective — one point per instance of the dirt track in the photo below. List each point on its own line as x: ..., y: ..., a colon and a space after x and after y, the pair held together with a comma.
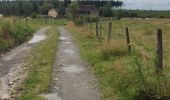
x: 12, y: 71
x: 71, y: 78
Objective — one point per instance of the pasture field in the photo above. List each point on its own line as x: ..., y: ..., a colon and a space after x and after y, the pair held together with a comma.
x: 123, y: 75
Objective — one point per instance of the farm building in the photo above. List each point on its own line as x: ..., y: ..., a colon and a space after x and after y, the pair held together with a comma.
x: 88, y: 10
x: 53, y: 13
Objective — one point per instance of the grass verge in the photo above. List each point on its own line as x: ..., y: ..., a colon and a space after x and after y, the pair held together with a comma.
x: 122, y: 76
x: 12, y: 34
x: 40, y: 64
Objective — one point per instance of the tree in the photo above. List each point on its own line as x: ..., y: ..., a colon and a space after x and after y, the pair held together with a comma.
x: 67, y: 2
x: 45, y: 8
x: 27, y: 8
x: 107, y: 10
x: 61, y: 9
x: 74, y: 7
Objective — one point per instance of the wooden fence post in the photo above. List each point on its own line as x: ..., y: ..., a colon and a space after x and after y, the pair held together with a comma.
x: 159, y: 64
x: 109, y: 32
x: 97, y: 29
x: 128, y: 39
x: 86, y: 24
x: 90, y: 27
x: 100, y: 31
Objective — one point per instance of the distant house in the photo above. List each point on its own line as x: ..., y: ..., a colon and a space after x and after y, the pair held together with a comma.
x: 88, y: 10
x: 53, y: 13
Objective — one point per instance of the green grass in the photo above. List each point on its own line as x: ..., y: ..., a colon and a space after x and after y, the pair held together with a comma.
x: 14, y: 34
x: 40, y: 64
x: 124, y: 76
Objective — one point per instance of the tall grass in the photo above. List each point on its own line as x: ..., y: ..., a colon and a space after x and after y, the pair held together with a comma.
x: 12, y: 34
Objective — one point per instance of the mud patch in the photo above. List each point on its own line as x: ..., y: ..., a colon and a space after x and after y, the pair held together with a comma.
x: 73, y: 69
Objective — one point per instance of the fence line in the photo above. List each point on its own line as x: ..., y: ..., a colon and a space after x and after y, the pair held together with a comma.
x: 99, y: 29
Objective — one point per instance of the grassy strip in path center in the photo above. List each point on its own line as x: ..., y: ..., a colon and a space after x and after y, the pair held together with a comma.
x: 39, y: 66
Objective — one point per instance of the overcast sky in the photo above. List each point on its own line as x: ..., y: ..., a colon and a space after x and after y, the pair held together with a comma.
x: 147, y: 4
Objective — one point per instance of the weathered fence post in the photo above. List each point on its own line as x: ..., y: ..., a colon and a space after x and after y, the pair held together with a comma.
x: 91, y: 27
x: 86, y: 24
x: 159, y: 64
x: 128, y: 39
x: 109, y: 32
x: 97, y: 29
x: 100, y: 30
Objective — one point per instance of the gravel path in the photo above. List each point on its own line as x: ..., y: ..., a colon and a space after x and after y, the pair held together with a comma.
x: 71, y: 78
x: 12, y: 71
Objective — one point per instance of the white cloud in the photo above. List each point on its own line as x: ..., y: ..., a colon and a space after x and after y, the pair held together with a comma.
x: 147, y: 4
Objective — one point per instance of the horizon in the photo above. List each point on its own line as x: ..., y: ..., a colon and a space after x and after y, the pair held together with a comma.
x: 147, y: 4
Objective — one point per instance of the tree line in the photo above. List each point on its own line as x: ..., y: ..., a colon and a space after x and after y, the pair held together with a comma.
x: 101, y: 3
x: 28, y: 7
x: 41, y: 7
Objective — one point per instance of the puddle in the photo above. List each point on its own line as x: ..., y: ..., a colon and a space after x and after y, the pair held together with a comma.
x: 70, y: 52
x: 67, y: 42
x: 63, y: 38
x: 37, y: 38
x: 53, y: 96
x: 73, y: 69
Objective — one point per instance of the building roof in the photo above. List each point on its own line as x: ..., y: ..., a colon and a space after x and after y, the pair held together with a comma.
x: 87, y: 8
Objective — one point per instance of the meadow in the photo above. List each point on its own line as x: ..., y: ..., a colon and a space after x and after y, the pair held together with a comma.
x: 123, y: 75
